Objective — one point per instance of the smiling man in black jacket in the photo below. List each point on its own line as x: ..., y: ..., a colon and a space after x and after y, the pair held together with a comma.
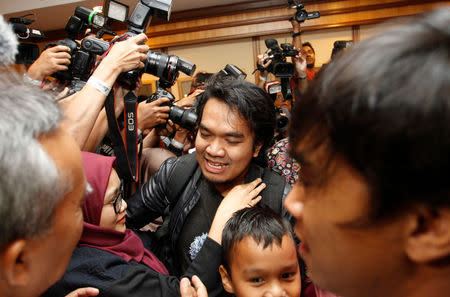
x: 235, y: 126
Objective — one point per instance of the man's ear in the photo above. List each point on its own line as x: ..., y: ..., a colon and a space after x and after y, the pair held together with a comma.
x: 256, y: 149
x: 226, y: 280
x: 13, y: 263
x: 429, y: 238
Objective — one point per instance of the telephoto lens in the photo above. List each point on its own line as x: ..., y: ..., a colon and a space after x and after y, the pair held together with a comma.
x: 167, y: 67
x: 186, y: 118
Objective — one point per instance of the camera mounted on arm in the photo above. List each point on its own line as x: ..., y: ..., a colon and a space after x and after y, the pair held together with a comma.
x: 302, y: 15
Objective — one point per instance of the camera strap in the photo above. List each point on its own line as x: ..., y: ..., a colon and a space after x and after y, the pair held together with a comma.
x: 127, y: 156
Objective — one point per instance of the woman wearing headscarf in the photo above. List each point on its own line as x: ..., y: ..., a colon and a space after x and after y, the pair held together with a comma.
x: 108, y: 252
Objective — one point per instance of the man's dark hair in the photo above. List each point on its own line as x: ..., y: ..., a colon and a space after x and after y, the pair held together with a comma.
x: 383, y: 106
x: 252, y: 103
x: 308, y: 44
x: 260, y: 223
x: 200, y: 79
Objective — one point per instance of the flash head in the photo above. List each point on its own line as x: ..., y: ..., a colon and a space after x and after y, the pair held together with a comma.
x: 234, y: 71
x: 272, y: 87
x: 91, y: 17
x: 116, y: 10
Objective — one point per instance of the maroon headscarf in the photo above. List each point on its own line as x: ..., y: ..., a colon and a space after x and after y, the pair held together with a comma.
x: 126, y: 245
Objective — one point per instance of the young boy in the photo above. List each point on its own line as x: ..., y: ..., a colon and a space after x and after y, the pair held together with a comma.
x: 259, y: 256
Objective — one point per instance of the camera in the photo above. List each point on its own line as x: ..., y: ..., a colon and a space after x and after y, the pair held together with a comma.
x: 27, y: 52
x: 282, y: 115
x: 302, y: 15
x: 158, y: 64
x: 77, y: 24
x: 186, y: 118
x: 166, y: 67
x: 279, y: 67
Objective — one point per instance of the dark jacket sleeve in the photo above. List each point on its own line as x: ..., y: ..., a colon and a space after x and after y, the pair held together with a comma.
x: 150, y: 201
x: 140, y: 282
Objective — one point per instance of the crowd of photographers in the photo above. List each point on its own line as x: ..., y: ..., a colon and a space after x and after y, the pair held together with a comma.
x: 106, y: 193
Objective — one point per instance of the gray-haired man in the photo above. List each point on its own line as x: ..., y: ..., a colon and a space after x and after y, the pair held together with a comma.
x: 42, y: 186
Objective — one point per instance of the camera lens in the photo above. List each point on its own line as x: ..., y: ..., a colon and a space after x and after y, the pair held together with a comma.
x: 167, y: 67
x: 184, y: 117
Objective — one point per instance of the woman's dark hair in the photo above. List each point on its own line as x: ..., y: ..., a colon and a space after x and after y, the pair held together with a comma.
x: 384, y: 107
x: 263, y: 225
x: 252, y: 103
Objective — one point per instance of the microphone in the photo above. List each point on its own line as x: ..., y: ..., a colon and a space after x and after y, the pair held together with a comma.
x: 8, y: 43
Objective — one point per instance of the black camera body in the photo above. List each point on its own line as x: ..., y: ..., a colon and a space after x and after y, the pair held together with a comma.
x: 186, y: 118
x: 158, y: 64
x: 279, y: 67
x: 77, y: 24
x: 302, y: 15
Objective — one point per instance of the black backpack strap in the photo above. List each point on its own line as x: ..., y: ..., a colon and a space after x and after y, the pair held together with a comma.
x: 177, y: 182
x: 273, y: 194
x: 181, y: 174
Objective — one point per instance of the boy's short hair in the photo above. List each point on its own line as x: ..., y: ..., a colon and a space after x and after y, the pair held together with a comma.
x: 260, y: 223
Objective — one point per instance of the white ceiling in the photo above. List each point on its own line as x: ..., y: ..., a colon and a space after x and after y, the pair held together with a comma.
x: 53, y: 14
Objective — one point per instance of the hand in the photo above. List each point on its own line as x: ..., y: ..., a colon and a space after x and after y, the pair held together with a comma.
x: 128, y: 54
x: 261, y: 59
x: 188, y: 101
x: 167, y: 130
x: 84, y: 292
x: 241, y: 196
x: 186, y: 289
x: 152, y: 114
x: 50, y: 61
x: 300, y: 63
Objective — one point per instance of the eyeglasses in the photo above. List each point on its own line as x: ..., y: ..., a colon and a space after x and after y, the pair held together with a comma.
x: 117, y: 201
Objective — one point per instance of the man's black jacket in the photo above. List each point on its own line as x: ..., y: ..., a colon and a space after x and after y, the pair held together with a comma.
x: 156, y: 195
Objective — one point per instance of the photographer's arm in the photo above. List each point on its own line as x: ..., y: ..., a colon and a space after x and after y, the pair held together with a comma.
x: 296, y: 34
x: 82, y: 112
x: 101, y: 124
x: 263, y: 75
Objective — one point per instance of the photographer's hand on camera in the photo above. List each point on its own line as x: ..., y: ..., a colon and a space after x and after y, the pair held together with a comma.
x: 263, y: 75
x: 50, y: 61
x: 123, y: 56
x: 153, y: 113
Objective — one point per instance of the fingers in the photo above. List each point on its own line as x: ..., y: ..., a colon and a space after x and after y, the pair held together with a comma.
x: 186, y: 289
x: 254, y: 201
x: 140, y: 38
x: 160, y: 101
x: 199, y: 287
x: 84, y: 292
x: 58, y: 48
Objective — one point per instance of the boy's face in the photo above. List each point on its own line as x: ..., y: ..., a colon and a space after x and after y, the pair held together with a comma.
x: 256, y: 271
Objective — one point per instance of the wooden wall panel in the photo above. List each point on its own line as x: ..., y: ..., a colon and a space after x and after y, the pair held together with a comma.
x: 274, y: 21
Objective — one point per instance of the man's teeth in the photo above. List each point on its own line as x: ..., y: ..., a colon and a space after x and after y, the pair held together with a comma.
x: 216, y: 165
